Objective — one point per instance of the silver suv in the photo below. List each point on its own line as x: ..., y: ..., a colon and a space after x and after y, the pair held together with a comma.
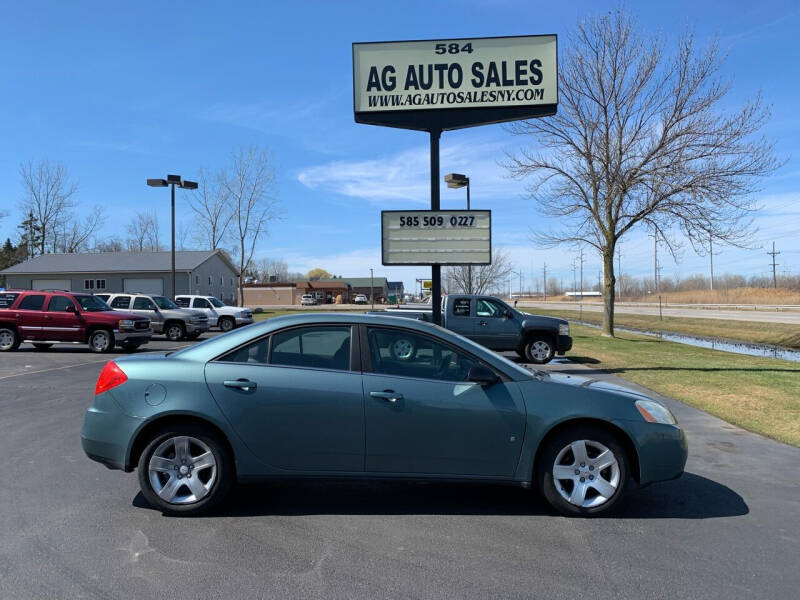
x: 165, y: 316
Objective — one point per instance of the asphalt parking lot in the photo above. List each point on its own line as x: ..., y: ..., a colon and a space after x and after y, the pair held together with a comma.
x: 730, y: 528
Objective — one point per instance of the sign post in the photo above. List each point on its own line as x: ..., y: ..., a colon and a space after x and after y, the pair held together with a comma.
x: 439, y: 85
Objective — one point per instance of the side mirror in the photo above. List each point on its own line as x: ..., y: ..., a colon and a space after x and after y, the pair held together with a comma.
x: 482, y: 375
x: 70, y: 308
x: 508, y: 314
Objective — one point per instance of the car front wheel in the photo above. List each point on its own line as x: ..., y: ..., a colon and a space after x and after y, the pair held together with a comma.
x: 226, y: 324
x: 539, y: 350
x: 582, y: 471
x: 101, y: 341
x: 185, y: 470
x: 175, y: 332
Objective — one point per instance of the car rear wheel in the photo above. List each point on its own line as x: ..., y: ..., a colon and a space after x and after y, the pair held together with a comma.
x: 539, y: 350
x: 9, y: 339
x: 226, y: 323
x: 101, y: 340
x: 175, y: 331
x: 583, y: 471
x: 185, y: 470
x: 42, y: 346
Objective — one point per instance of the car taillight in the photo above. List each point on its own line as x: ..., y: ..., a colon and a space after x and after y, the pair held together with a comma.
x: 110, y: 377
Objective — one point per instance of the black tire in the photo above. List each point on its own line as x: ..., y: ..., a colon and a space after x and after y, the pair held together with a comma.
x: 222, y: 480
x: 131, y: 346
x: 101, y: 341
x: 41, y: 346
x: 226, y: 324
x: 552, y: 488
x: 539, y: 349
x: 175, y: 331
x: 9, y: 339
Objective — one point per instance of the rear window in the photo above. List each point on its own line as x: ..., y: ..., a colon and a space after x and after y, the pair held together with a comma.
x: 7, y: 299
x: 461, y: 307
x: 32, y: 302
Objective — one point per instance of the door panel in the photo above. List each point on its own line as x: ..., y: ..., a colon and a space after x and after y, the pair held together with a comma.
x: 59, y: 324
x: 29, y: 316
x: 493, y: 329
x: 296, y: 419
x: 422, y: 417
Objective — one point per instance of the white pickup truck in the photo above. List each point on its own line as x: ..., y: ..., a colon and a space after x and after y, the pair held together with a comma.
x: 219, y: 314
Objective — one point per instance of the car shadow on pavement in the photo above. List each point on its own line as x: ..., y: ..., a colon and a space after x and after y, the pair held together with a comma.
x: 690, y: 497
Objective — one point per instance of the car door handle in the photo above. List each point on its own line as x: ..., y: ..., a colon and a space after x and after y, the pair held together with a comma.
x: 240, y: 384
x: 388, y: 395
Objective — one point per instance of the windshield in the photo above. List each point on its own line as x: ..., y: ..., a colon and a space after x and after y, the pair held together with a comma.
x: 215, y: 302
x: 164, y: 303
x: 92, y: 303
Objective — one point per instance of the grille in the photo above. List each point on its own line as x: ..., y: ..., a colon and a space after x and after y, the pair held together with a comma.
x: 142, y: 324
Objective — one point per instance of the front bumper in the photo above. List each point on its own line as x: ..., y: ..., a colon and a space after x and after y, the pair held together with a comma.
x: 107, y: 432
x: 139, y: 336
x: 563, y: 344
x: 662, y: 450
x: 201, y: 327
x: 244, y: 320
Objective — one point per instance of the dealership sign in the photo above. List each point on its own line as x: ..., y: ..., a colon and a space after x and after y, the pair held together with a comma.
x: 455, y: 82
x: 436, y: 237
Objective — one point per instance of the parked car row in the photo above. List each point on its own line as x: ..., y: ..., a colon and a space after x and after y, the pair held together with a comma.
x: 105, y: 321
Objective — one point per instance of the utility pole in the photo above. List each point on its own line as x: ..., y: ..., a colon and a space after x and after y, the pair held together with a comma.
x: 544, y: 276
x: 372, y: 289
x: 711, y: 257
x: 581, y: 295
x: 774, y: 264
x: 655, y: 261
x: 574, y: 280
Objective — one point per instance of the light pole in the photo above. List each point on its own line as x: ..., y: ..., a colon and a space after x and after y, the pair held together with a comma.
x: 455, y: 181
x: 372, y: 289
x: 172, y: 181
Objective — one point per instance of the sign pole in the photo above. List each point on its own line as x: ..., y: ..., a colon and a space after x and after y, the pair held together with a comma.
x: 436, y: 270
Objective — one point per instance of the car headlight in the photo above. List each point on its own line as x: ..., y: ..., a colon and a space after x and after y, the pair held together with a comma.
x: 244, y: 314
x: 654, y: 412
x: 126, y: 324
x: 563, y: 329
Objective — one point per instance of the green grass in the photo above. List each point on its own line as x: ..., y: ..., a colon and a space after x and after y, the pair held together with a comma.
x: 758, y: 394
x: 270, y: 313
x: 779, y: 334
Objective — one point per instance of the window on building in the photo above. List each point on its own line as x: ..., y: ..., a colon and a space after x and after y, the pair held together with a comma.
x: 232, y: 282
x: 88, y: 284
x: 197, y: 279
x: 100, y: 284
x: 221, y: 280
x: 210, y: 280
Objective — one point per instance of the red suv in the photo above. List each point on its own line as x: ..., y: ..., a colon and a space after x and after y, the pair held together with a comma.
x: 46, y: 317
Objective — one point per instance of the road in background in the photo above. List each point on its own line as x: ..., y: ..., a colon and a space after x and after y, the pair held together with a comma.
x: 729, y: 528
x: 761, y: 316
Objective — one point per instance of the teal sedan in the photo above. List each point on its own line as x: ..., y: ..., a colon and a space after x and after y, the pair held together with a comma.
x: 365, y: 396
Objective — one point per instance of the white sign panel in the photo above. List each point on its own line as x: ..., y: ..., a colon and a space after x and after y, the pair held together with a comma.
x: 453, y: 74
x: 436, y: 237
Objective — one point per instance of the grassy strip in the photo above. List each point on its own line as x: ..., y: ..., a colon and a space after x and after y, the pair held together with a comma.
x: 270, y: 313
x: 778, y: 334
x: 758, y: 394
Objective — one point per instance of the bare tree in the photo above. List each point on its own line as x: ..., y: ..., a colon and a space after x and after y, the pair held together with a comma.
x: 249, y: 183
x: 481, y: 278
x: 265, y: 268
x: 49, y: 197
x: 74, y: 235
x: 144, y: 233
x: 641, y: 139
x: 212, y: 207
x: 111, y: 244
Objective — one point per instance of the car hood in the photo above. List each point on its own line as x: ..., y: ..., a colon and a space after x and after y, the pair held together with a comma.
x: 596, y: 384
x: 529, y: 320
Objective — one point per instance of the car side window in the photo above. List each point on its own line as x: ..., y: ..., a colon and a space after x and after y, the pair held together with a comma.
x: 31, y: 302
x: 141, y: 303
x: 182, y: 302
x: 461, y: 307
x: 200, y: 303
x: 408, y: 354
x: 59, y: 304
x: 121, y: 302
x: 319, y: 347
x: 487, y: 308
x: 253, y: 353
x: 6, y: 300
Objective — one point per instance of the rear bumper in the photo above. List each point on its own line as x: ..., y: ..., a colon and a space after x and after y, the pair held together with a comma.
x: 107, y: 432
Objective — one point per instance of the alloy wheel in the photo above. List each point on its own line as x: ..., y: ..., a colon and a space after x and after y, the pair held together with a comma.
x: 540, y: 350
x: 586, y: 473
x: 182, y: 470
x: 99, y: 341
x: 174, y: 332
x: 226, y: 325
x: 6, y: 340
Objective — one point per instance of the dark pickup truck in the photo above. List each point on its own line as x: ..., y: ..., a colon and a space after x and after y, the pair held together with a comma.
x: 494, y: 324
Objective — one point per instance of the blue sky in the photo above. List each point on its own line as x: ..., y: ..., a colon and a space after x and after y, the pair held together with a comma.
x: 119, y: 92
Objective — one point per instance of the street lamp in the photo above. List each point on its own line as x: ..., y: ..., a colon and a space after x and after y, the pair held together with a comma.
x: 455, y: 181
x: 172, y: 181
